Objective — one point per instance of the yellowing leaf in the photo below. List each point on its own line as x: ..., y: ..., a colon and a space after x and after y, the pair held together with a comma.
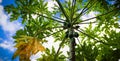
x: 19, y: 44
x: 37, y: 47
x: 27, y: 46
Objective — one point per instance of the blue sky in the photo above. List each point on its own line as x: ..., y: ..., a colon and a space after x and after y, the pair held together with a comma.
x: 7, y: 30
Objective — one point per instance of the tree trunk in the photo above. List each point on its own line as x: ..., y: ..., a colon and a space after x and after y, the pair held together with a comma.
x: 72, y: 49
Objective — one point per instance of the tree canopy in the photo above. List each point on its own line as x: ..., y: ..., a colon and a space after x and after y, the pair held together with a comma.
x: 95, y: 37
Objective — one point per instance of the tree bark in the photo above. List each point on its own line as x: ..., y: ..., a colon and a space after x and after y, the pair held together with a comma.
x: 72, y: 49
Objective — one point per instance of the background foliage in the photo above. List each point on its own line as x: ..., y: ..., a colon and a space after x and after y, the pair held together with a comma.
x: 99, y: 40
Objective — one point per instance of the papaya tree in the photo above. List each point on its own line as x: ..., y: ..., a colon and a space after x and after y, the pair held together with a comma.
x: 90, y: 37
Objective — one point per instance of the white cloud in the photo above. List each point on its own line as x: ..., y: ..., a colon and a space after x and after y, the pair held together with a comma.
x: 51, y: 4
x: 87, y: 16
x: 51, y: 43
x: 7, y: 45
x: 0, y: 1
x: 36, y: 56
x: 90, y: 15
x: 9, y: 28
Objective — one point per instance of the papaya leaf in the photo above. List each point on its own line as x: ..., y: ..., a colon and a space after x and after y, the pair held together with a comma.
x: 27, y: 46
